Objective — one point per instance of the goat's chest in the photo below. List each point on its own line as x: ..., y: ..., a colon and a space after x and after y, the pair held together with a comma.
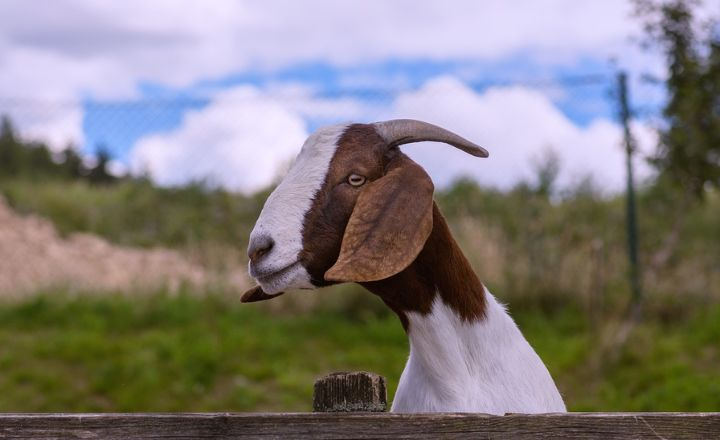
x: 486, y: 366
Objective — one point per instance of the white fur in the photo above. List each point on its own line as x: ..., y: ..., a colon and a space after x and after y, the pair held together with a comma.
x: 485, y: 366
x: 284, y: 211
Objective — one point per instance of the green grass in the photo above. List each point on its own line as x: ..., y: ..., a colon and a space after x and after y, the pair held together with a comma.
x: 163, y: 353
x: 210, y: 353
x: 138, y: 213
x: 521, y: 241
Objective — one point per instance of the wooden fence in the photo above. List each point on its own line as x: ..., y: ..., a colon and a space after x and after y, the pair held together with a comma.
x: 353, y: 405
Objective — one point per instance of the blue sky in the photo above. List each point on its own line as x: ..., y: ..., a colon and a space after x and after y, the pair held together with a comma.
x: 228, y: 90
x: 582, y: 92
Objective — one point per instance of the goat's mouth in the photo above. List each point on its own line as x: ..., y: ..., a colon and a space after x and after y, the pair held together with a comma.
x: 264, y: 276
x: 291, y: 276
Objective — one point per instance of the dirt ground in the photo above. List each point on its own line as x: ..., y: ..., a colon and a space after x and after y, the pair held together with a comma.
x: 33, y: 256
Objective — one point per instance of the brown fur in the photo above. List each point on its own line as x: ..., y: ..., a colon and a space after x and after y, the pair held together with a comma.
x: 360, y: 151
x: 388, y: 227
x: 440, y: 268
x: 364, y: 234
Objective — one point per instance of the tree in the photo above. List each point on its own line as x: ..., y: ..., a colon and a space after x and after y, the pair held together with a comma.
x: 99, y: 174
x: 547, y: 169
x: 38, y: 161
x: 10, y: 149
x: 688, y: 155
x: 72, y: 164
x: 689, y: 152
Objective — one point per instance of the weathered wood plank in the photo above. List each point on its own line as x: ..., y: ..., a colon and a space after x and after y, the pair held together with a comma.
x: 358, y: 425
x: 350, y: 392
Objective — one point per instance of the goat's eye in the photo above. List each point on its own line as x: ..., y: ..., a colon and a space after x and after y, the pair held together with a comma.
x: 356, y: 179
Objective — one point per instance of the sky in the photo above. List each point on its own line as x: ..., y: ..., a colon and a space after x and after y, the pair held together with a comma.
x: 226, y: 91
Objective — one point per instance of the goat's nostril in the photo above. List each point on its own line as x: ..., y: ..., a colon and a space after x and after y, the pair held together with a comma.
x: 260, y: 246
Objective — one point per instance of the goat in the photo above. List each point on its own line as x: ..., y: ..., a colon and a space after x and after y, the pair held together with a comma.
x: 354, y: 208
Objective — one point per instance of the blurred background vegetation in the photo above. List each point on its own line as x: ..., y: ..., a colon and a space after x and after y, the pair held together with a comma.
x: 556, y: 257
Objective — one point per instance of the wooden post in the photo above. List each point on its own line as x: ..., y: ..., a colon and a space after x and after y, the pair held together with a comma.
x: 350, y: 392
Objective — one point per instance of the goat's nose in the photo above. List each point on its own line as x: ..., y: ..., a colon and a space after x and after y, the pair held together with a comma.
x: 260, y: 246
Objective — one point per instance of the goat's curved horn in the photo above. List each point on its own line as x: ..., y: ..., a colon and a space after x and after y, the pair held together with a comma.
x: 406, y: 131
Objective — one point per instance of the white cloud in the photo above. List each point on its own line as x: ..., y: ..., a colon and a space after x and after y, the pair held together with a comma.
x: 245, y: 135
x: 60, y: 51
x: 517, y: 125
x: 304, y: 101
x: 57, y: 125
x: 239, y: 141
x: 106, y: 48
x: 58, y: 129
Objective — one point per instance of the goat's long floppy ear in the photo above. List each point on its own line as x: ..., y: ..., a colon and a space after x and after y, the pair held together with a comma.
x: 388, y: 228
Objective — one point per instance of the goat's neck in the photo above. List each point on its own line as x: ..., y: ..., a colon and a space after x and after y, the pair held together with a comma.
x: 440, y: 270
x: 466, y: 353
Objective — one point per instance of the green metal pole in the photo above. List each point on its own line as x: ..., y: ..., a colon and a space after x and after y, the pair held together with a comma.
x: 632, y: 233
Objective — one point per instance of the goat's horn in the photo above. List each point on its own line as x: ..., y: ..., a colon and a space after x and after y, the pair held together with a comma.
x: 406, y: 131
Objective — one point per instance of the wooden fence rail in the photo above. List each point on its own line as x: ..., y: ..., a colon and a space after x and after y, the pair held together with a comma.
x: 360, y: 425
x: 342, y: 398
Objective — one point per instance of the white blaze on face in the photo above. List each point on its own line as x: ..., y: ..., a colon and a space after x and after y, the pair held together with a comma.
x: 282, y: 216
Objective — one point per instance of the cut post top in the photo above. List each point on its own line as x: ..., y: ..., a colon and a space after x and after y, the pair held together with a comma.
x: 350, y: 392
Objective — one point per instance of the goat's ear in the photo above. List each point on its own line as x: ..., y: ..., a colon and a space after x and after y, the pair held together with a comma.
x: 388, y: 228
